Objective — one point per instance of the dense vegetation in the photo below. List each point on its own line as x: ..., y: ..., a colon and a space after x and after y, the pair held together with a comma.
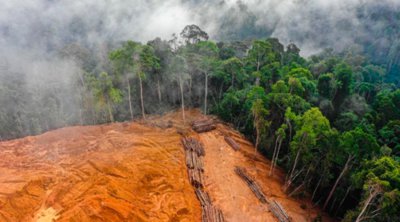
x: 331, y: 121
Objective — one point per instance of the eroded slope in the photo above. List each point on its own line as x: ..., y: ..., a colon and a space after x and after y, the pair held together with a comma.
x: 117, y: 172
x: 133, y: 172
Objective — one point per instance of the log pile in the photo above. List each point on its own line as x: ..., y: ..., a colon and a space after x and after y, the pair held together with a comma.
x: 201, y: 126
x: 212, y: 214
x: 194, y: 161
x: 203, y: 197
x: 251, y: 183
x: 232, y: 143
x: 193, y: 145
x: 196, y: 178
x: 278, y: 211
x: 194, y: 151
x: 273, y: 205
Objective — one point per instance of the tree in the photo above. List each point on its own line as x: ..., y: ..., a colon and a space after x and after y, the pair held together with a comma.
x: 105, y: 92
x: 387, y: 106
x: 280, y: 136
x: 148, y: 64
x: 234, y: 68
x: 258, y: 56
x: 344, y: 82
x: 163, y: 51
x: 380, y: 182
x: 390, y: 136
x: 356, y: 144
x: 259, y: 120
x: 192, y: 34
x: 326, y: 85
x: 311, y: 131
x: 292, y: 55
x: 124, y: 64
x: 178, y: 72
x: 208, y: 64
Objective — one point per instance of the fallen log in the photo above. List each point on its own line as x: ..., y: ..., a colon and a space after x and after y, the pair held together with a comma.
x: 194, y: 151
x: 196, y: 178
x: 278, y: 211
x: 197, y: 162
x: 251, y: 183
x: 193, y: 145
x: 189, y: 159
x: 212, y: 214
x: 204, y: 128
x: 232, y: 143
x: 203, y: 197
x: 203, y: 125
x: 282, y: 210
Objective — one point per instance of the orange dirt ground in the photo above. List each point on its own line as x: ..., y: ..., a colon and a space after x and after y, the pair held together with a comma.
x: 132, y: 172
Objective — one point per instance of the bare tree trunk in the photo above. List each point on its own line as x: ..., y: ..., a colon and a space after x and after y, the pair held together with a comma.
x: 273, y: 155
x: 373, y: 193
x: 257, y: 83
x: 277, y: 153
x: 182, y: 100
x: 296, y: 189
x: 110, y: 111
x: 80, y: 116
x: 290, y: 178
x: 141, y: 96
x: 345, y: 168
x: 159, y: 90
x: 302, y: 184
x: 316, y: 188
x: 205, y: 94
x: 343, y: 199
x: 290, y: 129
x: 257, y: 141
x: 129, y: 96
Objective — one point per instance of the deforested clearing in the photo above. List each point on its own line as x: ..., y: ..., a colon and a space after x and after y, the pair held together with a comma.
x: 136, y: 171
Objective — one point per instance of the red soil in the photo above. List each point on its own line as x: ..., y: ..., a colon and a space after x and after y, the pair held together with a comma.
x: 131, y: 172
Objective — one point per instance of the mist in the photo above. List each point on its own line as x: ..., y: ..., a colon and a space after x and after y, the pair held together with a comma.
x: 35, y: 36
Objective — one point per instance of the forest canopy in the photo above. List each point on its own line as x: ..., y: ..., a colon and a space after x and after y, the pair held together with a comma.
x: 330, y: 120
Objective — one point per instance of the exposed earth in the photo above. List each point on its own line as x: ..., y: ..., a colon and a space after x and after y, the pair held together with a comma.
x: 134, y: 172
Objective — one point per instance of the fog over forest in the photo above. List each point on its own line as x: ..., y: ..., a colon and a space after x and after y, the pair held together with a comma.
x: 45, y: 43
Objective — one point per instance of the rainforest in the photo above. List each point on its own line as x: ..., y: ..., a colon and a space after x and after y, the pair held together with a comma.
x: 85, y: 106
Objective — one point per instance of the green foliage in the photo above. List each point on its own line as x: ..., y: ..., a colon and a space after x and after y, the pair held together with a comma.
x: 326, y: 85
x: 387, y: 105
x: 260, y: 122
x: 267, y: 91
x: 380, y: 182
x: 390, y: 136
x: 359, y: 143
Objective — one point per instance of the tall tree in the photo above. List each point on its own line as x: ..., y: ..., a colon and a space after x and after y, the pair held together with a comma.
x: 192, y: 34
x: 380, y: 182
x: 258, y: 56
x: 259, y: 120
x: 208, y: 65
x: 163, y: 51
x: 356, y: 144
x: 178, y: 72
x: 148, y: 64
x: 105, y: 92
x: 124, y: 64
